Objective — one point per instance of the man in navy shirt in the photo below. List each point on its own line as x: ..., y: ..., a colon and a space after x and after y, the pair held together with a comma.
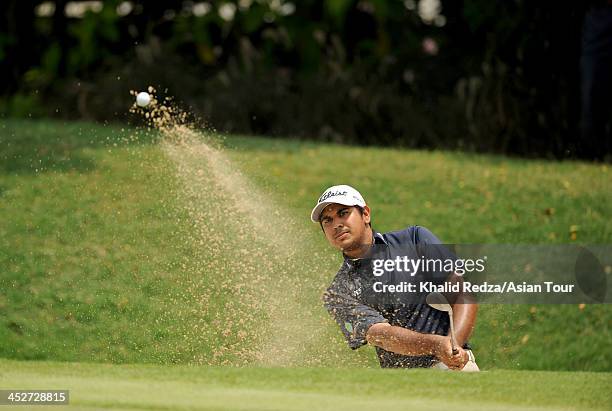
x: 405, y: 335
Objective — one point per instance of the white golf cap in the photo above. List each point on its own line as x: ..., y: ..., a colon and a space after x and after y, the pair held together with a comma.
x: 342, y: 194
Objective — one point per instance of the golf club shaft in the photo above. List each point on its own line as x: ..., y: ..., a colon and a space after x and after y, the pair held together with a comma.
x: 452, y: 332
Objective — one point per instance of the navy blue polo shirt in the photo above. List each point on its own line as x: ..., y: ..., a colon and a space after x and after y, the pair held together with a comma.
x: 347, y: 303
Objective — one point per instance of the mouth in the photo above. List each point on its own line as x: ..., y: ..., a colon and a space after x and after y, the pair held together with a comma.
x: 342, y: 235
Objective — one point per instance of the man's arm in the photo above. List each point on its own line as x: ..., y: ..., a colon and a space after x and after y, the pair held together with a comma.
x: 464, y: 318
x: 465, y: 309
x: 402, y: 340
x: 407, y: 342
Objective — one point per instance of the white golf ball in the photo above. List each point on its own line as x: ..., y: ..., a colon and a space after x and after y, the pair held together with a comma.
x: 143, y: 99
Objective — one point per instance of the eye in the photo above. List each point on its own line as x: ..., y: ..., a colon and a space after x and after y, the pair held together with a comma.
x: 342, y: 213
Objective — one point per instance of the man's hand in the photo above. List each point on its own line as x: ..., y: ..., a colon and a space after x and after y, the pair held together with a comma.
x: 444, y: 352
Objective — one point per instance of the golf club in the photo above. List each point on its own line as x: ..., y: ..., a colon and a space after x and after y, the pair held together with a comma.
x: 439, y: 302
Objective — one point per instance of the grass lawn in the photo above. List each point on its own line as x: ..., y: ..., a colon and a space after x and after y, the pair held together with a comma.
x: 137, y: 387
x: 116, y: 247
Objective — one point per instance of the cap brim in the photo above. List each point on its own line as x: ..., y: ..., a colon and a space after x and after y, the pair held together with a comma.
x: 316, y: 212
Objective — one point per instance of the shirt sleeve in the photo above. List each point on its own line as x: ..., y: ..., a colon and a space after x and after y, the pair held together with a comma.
x: 424, y: 236
x: 431, y: 246
x: 353, y: 317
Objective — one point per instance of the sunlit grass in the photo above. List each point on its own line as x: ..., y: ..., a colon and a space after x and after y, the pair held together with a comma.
x: 95, y: 244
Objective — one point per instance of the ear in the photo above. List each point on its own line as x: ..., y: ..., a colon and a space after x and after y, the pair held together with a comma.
x: 366, y: 214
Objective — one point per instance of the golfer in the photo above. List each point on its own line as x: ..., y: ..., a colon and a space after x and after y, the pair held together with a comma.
x: 405, y: 335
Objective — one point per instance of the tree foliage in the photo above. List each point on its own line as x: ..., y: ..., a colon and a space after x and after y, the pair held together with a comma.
x: 497, y: 76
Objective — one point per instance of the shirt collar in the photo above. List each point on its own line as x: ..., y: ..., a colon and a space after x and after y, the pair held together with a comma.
x: 379, y: 239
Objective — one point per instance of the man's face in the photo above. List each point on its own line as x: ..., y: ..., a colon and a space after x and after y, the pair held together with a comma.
x: 345, y: 227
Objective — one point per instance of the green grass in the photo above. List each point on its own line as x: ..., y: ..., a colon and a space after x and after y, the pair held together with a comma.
x: 137, y: 387
x: 99, y: 263
x: 463, y: 198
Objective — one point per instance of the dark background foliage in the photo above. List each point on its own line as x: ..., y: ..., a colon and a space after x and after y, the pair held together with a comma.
x: 492, y: 76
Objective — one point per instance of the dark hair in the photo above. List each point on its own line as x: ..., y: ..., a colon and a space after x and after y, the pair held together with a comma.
x: 360, y: 212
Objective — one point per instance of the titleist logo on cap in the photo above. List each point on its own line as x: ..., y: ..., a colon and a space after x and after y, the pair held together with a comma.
x: 331, y: 194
